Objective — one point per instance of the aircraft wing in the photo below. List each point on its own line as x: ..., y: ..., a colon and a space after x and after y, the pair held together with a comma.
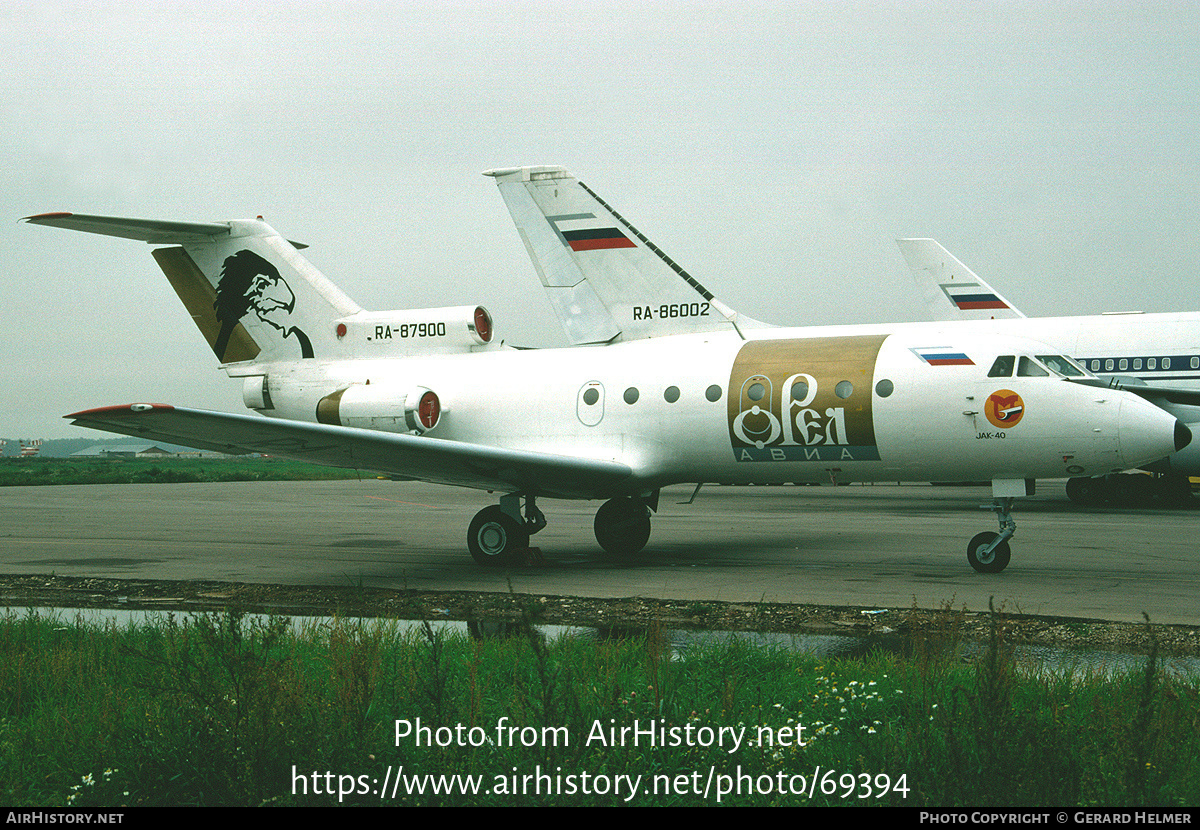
x: 1155, y: 394
x: 409, y: 456
x: 951, y: 291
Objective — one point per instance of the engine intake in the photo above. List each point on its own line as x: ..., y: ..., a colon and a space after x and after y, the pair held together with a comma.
x: 417, y: 331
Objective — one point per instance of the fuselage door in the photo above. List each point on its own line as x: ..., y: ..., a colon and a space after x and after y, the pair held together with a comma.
x: 590, y: 403
x: 996, y: 406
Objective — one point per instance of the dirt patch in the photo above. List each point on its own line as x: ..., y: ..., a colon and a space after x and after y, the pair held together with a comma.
x: 622, y: 613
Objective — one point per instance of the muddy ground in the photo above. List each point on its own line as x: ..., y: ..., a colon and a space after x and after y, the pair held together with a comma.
x: 624, y: 613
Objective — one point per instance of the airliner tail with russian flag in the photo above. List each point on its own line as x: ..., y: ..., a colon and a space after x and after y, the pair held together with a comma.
x: 604, y: 279
x: 950, y: 289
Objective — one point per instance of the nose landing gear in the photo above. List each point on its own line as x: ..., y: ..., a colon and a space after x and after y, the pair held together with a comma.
x: 988, y: 552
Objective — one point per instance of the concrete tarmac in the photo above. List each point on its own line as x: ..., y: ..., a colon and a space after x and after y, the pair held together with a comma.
x: 869, y: 546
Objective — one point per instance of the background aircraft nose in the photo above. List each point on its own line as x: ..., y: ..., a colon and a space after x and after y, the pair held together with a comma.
x: 1148, y: 433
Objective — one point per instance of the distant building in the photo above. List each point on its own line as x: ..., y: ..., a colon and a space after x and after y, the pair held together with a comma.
x: 139, y: 449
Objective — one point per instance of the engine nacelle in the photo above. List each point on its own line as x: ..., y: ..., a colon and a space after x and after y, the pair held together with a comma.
x: 382, y: 406
x: 416, y: 331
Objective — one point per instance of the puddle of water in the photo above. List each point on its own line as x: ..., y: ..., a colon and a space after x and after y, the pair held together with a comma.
x: 1033, y: 658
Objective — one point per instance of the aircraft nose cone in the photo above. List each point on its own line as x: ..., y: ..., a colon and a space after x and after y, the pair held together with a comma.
x: 1183, y: 435
x: 1148, y: 432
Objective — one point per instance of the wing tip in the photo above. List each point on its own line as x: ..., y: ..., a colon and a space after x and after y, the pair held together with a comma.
x: 38, y: 218
x: 121, y: 409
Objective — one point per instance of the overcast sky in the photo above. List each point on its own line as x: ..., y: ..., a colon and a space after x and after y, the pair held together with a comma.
x: 774, y: 150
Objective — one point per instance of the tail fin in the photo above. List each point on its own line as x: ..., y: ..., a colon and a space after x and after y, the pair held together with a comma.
x: 605, y: 280
x: 950, y: 290
x: 247, y: 288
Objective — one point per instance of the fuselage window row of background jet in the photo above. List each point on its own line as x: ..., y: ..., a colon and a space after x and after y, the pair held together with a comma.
x: 1152, y: 364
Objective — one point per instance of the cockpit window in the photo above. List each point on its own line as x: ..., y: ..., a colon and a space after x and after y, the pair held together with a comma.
x: 1029, y: 368
x: 1064, y: 366
x: 1003, y: 366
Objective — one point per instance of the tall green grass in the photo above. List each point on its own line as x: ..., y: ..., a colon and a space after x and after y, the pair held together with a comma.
x: 223, y: 709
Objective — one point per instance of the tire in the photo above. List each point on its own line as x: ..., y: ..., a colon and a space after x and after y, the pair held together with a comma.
x: 992, y: 563
x: 623, y: 526
x: 1131, y: 490
x: 494, y: 537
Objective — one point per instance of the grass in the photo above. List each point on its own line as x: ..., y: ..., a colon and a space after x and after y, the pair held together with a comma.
x: 15, y: 472
x: 222, y: 709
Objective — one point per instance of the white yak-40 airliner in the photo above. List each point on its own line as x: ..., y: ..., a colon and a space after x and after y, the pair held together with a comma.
x: 663, y: 384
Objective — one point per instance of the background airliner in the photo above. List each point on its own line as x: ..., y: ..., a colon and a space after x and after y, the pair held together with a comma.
x: 1154, y: 355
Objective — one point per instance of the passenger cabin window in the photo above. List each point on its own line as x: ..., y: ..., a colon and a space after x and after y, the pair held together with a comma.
x: 1028, y: 368
x: 1003, y: 367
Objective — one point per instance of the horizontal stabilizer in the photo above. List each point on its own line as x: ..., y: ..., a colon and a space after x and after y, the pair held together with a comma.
x: 409, y: 456
x: 247, y: 289
x: 153, y: 231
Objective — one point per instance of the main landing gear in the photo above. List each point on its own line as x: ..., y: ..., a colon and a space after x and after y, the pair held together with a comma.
x: 623, y: 526
x: 1132, y: 490
x: 499, y: 534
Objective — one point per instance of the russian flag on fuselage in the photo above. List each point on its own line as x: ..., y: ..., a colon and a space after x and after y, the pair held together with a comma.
x: 943, y: 356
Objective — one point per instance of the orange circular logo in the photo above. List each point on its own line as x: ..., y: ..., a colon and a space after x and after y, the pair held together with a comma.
x: 1004, y: 408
